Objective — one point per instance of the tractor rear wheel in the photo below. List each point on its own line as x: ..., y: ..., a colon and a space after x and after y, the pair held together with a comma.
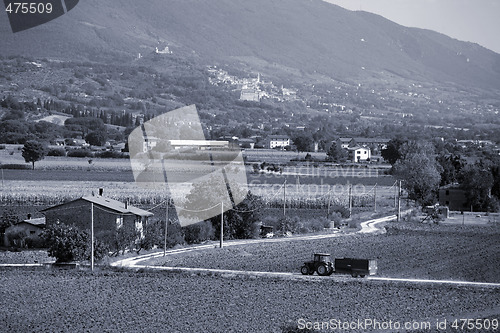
x: 305, y: 270
x: 322, y: 270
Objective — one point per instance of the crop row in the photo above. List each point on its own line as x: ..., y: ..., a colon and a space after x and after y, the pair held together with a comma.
x: 106, y: 301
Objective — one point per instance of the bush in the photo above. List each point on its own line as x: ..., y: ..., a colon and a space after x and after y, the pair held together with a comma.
x: 80, y: 153
x: 343, y: 211
x: 154, y: 235
x: 34, y: 242
x: 198, y: 232
x: 314, y: 225
x: 125, y: 238
x: 16, y: 238
x: 110, y: 154
x: 15, y: 166
x: 288, y: 224
x: 68, y: 243
x: 335, y: 217
x: 56, y: 152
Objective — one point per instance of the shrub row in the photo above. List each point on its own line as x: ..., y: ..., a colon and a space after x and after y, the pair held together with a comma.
x: 100, y: 154
x: 15, y: 166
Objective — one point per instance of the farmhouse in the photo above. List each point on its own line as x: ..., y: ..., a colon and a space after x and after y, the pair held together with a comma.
x: 278, y: 141
x: 359, y: 154
x: 344, y: 142
x: 377, y: 144
x: 109, y: 215
x: 149, y: 143
x: 453, y: 197
x: 247, y: 143
x: 31, y: 228
x: 76, y: 142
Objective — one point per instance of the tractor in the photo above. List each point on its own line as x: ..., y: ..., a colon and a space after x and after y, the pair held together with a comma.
x: 321, y: 264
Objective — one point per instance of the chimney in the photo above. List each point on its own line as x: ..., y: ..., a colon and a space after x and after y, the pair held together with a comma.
x: 126, y: 204
x: 100, y: 192
x: 29, y: 216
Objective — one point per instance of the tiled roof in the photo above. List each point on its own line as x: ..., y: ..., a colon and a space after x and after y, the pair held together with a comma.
x: 111, y: 204
x: 357, y: 147
x: 117, y: 205
x: 371, y: 140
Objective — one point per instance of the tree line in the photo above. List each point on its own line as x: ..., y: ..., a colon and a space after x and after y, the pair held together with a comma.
x: 424, y: 167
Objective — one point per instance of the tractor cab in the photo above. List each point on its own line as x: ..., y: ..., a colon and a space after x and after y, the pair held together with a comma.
x: 322, y: 257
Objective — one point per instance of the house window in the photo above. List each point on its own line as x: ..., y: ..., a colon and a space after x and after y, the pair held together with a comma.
x: 365, y: 152
x: 119, y: 222
x: 358, y: 152
x: 447, y: 192
x: 447, y: 203
x: 32, y: 232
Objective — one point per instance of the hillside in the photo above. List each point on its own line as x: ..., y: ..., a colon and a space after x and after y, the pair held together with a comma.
x: 288, y: 39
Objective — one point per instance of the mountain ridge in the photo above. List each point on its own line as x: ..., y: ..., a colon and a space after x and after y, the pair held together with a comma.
x: 311, y: 37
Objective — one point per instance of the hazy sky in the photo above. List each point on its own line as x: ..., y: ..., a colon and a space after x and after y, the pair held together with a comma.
x: 469, y: 20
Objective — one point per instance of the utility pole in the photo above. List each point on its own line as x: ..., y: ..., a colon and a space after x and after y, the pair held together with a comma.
x: 329, y: 199
x: 92, y: 236
x: 375, y: 197
x: 395, y: 194
x: 221, y: 224
x: 399, y: 201
x: 166, y: 229
x: 284, y: 198
x: 350, y: 200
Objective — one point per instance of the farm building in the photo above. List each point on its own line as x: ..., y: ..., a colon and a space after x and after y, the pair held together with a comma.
x: 377, y: 144
x: 453, y: 197
x: 31, y: 228
x: 278, y: 141
x: 109, y: 215
x: 359, y: 154
x: 198, y: 144
x: 247, y: 143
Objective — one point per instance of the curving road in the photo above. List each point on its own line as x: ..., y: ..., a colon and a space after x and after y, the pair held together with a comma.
x: 368, y: 227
